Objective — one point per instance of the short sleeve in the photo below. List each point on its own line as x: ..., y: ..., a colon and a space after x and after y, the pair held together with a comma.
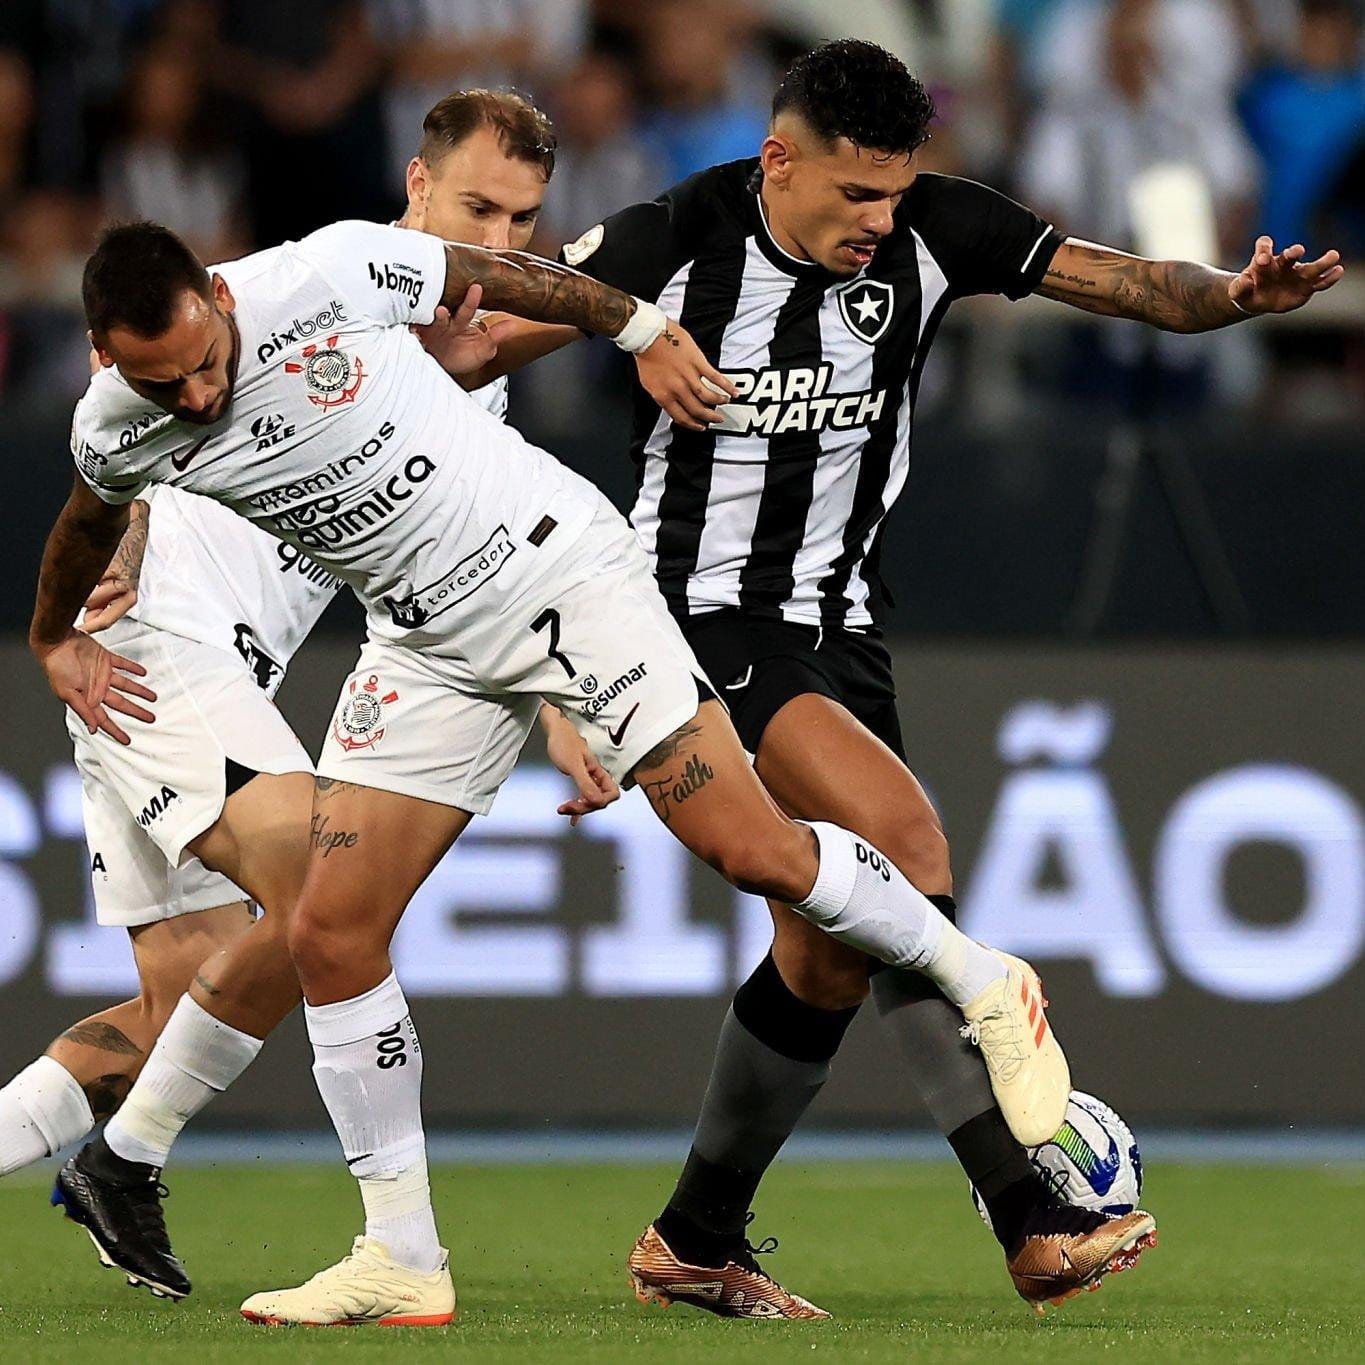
x: 631, y: 250
x: 106, y: 469
x: 985, y: 242
x: 389, y: 274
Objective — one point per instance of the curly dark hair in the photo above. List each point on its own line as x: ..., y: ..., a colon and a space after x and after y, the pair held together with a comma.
x: 853, y: 89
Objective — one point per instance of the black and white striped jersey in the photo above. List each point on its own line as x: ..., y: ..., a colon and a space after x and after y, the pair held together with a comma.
x: 779, y: 512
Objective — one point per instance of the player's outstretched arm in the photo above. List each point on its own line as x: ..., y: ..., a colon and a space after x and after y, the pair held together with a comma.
x: 1184, y: 296
x: 86, y: 676
x: 672, y: 367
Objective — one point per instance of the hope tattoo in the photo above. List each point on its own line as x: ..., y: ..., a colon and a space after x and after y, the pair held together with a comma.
x: 326, y: 840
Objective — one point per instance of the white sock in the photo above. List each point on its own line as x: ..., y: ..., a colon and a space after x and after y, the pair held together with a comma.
x: 196, y: 1057
x: 41, y: 1110
x: 861, y: 897
x: 368, y: 1066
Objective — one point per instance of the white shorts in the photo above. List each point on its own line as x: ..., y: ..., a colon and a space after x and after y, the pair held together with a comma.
x: 594, y: 639
x: 132, y: 881
x: 164, y: 789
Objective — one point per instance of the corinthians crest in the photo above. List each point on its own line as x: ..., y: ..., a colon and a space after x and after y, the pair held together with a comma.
x: 360, y: 722
x: 331, y: 375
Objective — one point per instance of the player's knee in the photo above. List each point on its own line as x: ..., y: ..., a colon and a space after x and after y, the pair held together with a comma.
x: 320, y: 948
x: 919, y: 847
x: 779, y: 867
x: 827, y: 985
x: 818, y: 969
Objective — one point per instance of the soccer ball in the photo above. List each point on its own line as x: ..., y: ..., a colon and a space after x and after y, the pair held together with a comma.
x: 1093, y: 1161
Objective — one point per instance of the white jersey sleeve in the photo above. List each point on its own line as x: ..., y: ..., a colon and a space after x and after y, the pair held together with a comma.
x: 390, y: 275
x: 492, y: 398
x: 108, y: 423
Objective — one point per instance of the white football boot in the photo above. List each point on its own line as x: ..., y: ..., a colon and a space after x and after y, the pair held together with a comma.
x: 1028, y: 1070
x: 366, y: 1286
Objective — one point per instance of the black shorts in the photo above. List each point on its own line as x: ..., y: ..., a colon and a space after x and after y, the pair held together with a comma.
x: 758, y: 665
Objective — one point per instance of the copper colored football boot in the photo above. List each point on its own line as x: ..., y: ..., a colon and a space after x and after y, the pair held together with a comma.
x: 738, y: 1289
x: 1065, y: 1250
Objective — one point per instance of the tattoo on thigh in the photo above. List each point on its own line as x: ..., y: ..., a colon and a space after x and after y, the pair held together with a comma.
x: 325, y: 840
x: 667, y: 795
x: 669, y: 747
x: 94, y: 1033
x: 207, y: 987
x: 106, y: 1093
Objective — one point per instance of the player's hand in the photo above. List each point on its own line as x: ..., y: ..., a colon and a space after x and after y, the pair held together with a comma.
x: 93, y: 682
x: 569, y: 752
x: 110, y: 601
x: 1281, y: 282
x: 459, y: 342
x: 682, y: 381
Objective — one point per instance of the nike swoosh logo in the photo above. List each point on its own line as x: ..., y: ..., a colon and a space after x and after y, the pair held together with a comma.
x: 742, y: 682
x: 181, y: 462
x: 351, y: 1160
x: 618, y: 734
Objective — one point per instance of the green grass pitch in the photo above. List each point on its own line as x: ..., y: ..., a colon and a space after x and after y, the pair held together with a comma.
x: 1255, y: 1264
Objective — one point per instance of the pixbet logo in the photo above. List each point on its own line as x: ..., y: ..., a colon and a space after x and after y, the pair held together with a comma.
x: 397, y: 279
x: 129, y: 436
x: 300, y: 329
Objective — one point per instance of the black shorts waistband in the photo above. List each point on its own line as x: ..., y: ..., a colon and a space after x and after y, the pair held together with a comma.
x: 773, y: 628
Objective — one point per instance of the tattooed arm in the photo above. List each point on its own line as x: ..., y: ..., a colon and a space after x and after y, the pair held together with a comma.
x: 86, y: 676
x: 535, y: 288
x: 1184, y: 296
x: 672, y: 368
x: 115, y: 595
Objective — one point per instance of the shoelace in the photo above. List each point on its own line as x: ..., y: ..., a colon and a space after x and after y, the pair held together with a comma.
x: 354, y: 1260
x: 1009, y: 1053
x: 765, y: 1248
x: 149, y: 1215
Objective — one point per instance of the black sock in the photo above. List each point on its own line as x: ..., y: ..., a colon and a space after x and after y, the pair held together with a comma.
x: 952, y: 1079
x: 771, y: 1060
x: 706, y: 1215
x: 1000, y: 1169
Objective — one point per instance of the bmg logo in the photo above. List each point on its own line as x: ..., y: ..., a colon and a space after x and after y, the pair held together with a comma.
x: 398, y: 279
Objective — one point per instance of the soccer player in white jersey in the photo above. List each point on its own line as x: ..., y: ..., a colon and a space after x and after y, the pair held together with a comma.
x: 214, y: 609
x: 493, y: 577
x: 199, y: 584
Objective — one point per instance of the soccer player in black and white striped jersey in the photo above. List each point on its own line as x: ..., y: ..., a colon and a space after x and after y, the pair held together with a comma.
x: 815, y: 277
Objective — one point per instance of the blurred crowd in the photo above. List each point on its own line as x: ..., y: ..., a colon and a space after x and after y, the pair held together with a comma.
x: 1157, y: 125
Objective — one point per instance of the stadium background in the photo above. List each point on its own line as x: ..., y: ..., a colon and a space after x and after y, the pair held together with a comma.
x: 1129, y: 574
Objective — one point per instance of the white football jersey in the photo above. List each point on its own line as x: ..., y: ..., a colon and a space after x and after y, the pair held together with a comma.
x: 492, y: 398
x: 210, y: 576
x: 347, y: 442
